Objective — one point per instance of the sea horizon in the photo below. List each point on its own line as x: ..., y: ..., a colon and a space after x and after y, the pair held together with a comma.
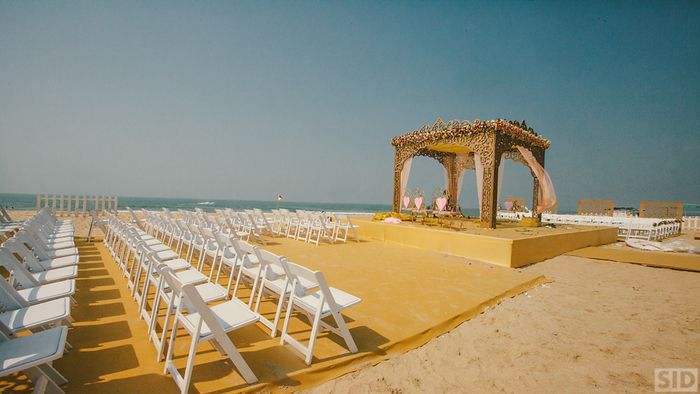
x: 27, y: 201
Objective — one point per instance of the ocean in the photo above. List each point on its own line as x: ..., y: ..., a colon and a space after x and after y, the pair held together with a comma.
x: 28, y: 202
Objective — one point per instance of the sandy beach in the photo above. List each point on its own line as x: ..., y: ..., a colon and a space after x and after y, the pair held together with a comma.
x: 598, y: 326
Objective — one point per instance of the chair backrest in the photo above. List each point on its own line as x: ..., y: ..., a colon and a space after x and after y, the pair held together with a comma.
x: 168, y: 275
x: 134, y: 218
x: 10, y: 298
x: 207, y: 232
x: 196, y: 304
x: 297, y: 273
x: 246, y: 249
x: 268, y: 258
x: 19, y: 273
x: 16, y: 245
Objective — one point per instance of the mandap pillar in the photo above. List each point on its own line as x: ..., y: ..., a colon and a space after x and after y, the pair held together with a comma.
x: 490, y: 160
x: 539, y: 156
x: 398, y: 167
x: 450, y: 164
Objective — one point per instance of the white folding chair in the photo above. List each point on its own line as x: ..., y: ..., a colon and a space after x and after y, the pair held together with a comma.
x: 325, y: 302
x: 275, y: 286
x: 344, y: 226
x: 210, y: 292
x: 206, y: 324
x: 33, y: 355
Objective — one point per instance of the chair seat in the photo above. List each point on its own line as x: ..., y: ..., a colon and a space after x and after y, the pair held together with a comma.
x: 167, y: 255
x: 59, y: 237
x: 191, y: 276
x: 57, y: 274
x: 310, y: 302
x: 277, y: 285
x: 230, y: 314
x: 61, y: 252
x: 178, y: 264
x: 150, y: 241
x: 56, y: 245
x: 36, y: 315
x: 60, y: 227
x: 43, y: 293
x: 59, y: 262
x: 211, y: 292
x: 273, y: 271
x: 25, y: 352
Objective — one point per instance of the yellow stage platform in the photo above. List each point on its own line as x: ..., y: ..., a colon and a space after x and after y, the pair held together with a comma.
x: 508, y: 245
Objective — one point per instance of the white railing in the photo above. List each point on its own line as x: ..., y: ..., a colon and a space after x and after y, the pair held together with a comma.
x: 691, y: 223
x: 76, y: 204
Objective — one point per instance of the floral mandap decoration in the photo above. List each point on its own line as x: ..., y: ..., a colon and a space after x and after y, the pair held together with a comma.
x: 457, y: 128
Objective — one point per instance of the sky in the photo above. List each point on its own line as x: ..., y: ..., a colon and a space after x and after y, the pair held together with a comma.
x: 245, y: 100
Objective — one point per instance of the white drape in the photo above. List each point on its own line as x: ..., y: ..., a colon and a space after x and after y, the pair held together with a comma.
x: 500, y: 176
x: 460, y: 158
x: 547, y: 195
x: 404, y: 176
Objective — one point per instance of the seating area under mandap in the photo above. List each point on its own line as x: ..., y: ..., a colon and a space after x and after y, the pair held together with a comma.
x: 482, y: 146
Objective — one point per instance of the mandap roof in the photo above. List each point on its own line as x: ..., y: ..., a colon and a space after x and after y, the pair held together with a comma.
x: 440, y: 132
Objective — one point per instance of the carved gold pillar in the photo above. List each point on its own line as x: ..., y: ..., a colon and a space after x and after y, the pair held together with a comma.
x: 539, y: 156
x: 398, y: 167
x: 535, y: 191
x: 450, y: 163
x: 490, y: 156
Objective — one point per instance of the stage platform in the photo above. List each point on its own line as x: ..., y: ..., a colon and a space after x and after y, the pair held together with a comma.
x: 507, y: 245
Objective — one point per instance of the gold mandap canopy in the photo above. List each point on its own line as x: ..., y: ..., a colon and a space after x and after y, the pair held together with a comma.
x: 479, y: 145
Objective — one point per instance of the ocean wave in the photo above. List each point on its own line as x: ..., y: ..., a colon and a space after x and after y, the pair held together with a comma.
x: 206, y: 203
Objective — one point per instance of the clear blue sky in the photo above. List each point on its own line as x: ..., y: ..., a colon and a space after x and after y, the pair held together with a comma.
x: 244, y: 100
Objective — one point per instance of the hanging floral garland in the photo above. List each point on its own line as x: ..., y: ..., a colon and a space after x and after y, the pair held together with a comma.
x: 456, y: 128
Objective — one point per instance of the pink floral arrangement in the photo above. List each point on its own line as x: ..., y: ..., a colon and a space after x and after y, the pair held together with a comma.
x: 458, y: 128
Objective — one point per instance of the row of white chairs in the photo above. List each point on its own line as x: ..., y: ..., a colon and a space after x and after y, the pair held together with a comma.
x: 628, y: 227
x: 42, y: 260
x: 256, y: 225
x: 149, y: 251
x: 224, y: 245
x: 313, y: 226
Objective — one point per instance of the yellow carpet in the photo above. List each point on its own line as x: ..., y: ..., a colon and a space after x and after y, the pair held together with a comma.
x: 681, y: 261
x: 409, y: 296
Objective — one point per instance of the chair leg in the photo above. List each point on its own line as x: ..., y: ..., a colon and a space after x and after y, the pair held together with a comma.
x: 53, y: 374
x: 343, y: 328
x: 235, y: 357
x: 190, y: 364
x: 171, y: 346
x: 312, y: 340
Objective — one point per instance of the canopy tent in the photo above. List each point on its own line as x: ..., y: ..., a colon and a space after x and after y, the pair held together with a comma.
x: 478, y: 145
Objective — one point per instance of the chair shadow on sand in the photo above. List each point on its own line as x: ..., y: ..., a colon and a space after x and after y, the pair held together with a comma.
x: 275, y: 364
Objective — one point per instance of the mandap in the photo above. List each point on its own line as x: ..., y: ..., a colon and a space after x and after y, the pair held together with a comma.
x: 482, y: 146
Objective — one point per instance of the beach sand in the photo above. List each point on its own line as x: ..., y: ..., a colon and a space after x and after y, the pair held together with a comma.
x: 600, y: 326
